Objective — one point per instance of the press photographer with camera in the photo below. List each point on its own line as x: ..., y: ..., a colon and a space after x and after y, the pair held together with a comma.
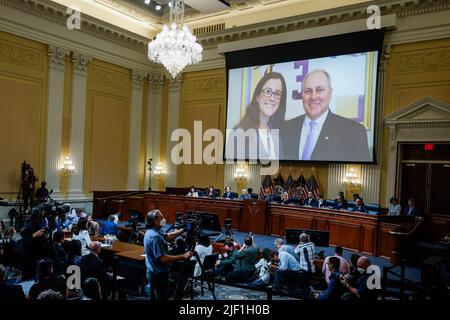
x: 35, y: 243
x: 29, y: 180
x: 157, y: 259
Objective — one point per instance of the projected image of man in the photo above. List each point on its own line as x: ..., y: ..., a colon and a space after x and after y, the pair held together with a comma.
x: 320, y: 134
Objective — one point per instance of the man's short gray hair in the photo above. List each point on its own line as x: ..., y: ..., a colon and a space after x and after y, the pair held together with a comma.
x: 50, y: 295
x: 278, y: 241
x: 324, y: 72
x: 304, y: 237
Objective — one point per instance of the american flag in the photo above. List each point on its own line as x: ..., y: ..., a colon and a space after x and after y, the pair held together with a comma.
x: 290, y: 186
x: 280, y: 181
x: 266, y: 187
x: 313, y: 186
x: 301, y: 187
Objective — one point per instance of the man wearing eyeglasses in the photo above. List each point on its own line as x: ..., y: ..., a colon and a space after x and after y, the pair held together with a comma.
x: 320, y: 134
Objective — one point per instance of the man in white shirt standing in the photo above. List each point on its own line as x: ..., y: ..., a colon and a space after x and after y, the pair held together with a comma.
x: 344, y: 267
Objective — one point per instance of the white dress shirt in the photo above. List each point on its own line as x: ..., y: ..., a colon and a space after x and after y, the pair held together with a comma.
x: 305, y: 130
x: 266, y: 138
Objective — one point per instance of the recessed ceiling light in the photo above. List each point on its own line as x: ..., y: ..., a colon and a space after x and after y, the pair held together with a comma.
x: 158, y: 7
x: 147, y: 1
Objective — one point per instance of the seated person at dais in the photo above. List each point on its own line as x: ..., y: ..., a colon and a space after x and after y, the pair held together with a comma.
x: 359, y: 206
x: 212, y: 193
x: 311, y: 201
x: 192, y: 193
x: 228, y: 194
x: 395, y: 209
x: 340, y: 203
x: 411, y: 209
x: 321, y: 201
x: 244, y: 195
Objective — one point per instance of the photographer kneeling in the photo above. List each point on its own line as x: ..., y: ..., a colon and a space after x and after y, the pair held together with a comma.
x: 157, y: 259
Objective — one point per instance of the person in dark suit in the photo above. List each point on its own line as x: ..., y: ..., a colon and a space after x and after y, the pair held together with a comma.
x: 9, y: 292
x: 263, y: 116
x: 228, y: 194
x: 311, y: 201
x: 58, y: 254
x: 92, y: 266
x: 360, y: 206
x: 340, y: 203
x: 411, y: 209
x: 320, y: 134
x: 211, y: 192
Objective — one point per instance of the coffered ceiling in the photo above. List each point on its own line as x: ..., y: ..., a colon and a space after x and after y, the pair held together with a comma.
x: 143, y: 18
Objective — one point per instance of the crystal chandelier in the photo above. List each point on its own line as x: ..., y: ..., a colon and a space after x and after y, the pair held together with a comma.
x: 175, y: 47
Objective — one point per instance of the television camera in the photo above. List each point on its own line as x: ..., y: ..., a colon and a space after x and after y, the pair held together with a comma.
x: 191, y: 222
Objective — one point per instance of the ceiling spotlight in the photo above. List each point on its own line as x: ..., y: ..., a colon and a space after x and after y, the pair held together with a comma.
x: 170, y: 4
x: 147, y: 1
x: 158, y: 7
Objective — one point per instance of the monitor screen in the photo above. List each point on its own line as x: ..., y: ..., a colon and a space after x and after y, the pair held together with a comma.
x: 320, y: 238
x: 312, y: 100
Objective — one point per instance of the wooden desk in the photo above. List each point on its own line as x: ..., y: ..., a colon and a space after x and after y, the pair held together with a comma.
x: 121, y: 247
x: 367, y: 234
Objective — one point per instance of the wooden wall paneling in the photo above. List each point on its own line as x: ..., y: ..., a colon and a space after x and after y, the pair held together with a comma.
x: 347, y: 235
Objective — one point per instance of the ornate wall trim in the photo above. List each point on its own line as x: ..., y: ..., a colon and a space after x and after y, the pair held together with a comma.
x: 427, y: 119
x: 56, y: 13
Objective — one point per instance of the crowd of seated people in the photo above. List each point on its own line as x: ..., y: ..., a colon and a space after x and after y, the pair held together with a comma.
x: 40, y: 253
x: 291, y: 270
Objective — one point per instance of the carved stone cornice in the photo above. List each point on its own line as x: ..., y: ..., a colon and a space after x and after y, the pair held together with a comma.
x: 175, y: 83
x: 15, y: 54
x: 109, y: 78
x: 137, y: 79
x: 80, y: 62
x: 401, y: 8
x: 57, y: 56
x: 424, y: 62
x: 156, y: 80
x: 205, y: 85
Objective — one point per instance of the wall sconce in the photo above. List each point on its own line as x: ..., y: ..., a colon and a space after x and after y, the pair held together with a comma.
x: 351, y: 178
x: 67, y: 168
x: 159, y: 170
x: 240, y: 174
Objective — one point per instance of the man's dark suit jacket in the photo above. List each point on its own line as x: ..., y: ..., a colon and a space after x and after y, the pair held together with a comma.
x: 92, y: 266
x: 230, y: 195
x: 311, y: 202
x: 414, y: 212
x: 340, y: 139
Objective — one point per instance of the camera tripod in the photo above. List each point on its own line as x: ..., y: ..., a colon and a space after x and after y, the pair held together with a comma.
x: 225, y: 233
x: 180, y: 290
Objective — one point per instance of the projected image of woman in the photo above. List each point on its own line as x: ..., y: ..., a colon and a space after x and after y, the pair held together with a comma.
x: 265, y: 114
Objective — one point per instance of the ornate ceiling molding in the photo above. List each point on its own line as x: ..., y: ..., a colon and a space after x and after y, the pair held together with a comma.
x: 56, y: 13
x: 401, y: 8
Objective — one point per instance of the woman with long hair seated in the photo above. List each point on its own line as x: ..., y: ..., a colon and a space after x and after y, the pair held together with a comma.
x: 265, y: 114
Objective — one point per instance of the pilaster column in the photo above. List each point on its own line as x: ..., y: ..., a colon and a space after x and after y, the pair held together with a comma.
x: 154, y: 115
x: 336, y: 176
x: 57, y: 59
x: 78, y: 118
x: 392, y: 163
x: 135, y: 129
x: 173, y: 122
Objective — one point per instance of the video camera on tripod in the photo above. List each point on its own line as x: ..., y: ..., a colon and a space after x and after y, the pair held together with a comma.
x: 191, y: 222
